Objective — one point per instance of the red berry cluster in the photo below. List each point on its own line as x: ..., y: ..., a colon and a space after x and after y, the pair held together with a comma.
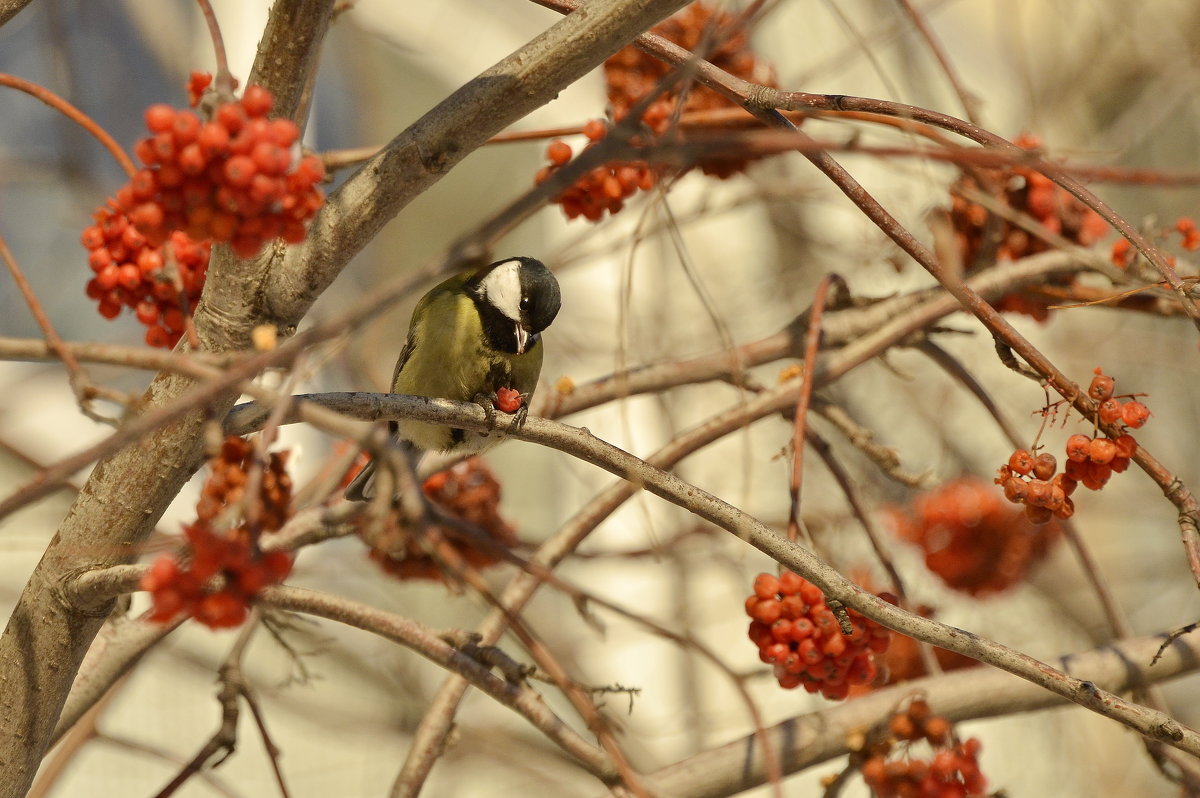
x: 1031, y: 480
x: 798, y: 634
x: 183, y: 587
x: 1189, y: 239
x: 184, y: 584
x: 972, y: 540
x: 468, y: 491
x: 157, y: 282
x: 234, y: 178
x: 630, y: 75
x: 952, y: 771
x: 604, y: 188
x: 1026, y: 191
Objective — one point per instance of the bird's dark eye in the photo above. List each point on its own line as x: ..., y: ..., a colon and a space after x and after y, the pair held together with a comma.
x: 526, y: 303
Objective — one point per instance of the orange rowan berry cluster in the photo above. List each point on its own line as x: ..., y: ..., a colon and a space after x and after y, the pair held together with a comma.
x: 798, y: 634
x: 1091, y: 461
x: 1027, y: 191
x: 951, y: 772
x: 603, y: 189
x: 157, y: 282
x: 972, y: 540
x: 234, y: 178
x: 1123, y: 253
x: 468, y: 491
x: 183, y: 584
x: 631, y: 75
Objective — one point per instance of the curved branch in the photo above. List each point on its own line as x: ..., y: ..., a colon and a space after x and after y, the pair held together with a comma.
x: 583, y: 445
x: 817, y: 737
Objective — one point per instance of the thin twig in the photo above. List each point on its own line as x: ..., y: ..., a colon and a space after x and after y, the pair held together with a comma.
x: 800, y: 423
x: 74, y: 114
x: 81, y: 384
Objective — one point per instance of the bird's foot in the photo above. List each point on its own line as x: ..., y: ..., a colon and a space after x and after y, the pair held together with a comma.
x: 488, y: 403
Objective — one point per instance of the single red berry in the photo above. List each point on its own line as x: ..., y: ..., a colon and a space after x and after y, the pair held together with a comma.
x: 1077, y: 447
x: 790, y: 583
x: 283, y: 132
x: 1038, y: 493
x: 1110, y: 411
x: 559, y: 152
x: 1044, y: 466
x: 156, y: 337
x: 595, y: 129
x: 257, y: 101
x: 1102, y: 450
x: 1126, y: 446
x: 1021, y: 461
x: 159, y: 118
x: 1016, y: 490
x: 239, y: 171
x: 766, y: 586
x: 508, y: 400
x: 767, y: 611
x: 1101, y: 387
x: 213, y: 139
x: 232, y: 117
x: 1134, y: 414
x: 185, y: 127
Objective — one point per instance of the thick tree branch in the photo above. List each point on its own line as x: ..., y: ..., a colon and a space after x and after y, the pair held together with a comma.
x: 10, y: 8
x: 426, y: 151
x: 46, y: 637
x: 817, y: 737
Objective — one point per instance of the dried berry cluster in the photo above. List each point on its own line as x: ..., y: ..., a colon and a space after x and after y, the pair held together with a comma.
x: 798, y: 634
x: 982, y: 236
x: 631, y: 75
x: 951, y: 772
x: 184, y: 584
x: 972, y: 540
x: 226, y: 485
x: 159, y: 283
x: 234, y: 178
x: 1031, y: 480
x: 468, y: 491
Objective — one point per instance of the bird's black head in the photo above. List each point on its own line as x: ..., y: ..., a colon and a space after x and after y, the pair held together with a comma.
x: 517, y: 298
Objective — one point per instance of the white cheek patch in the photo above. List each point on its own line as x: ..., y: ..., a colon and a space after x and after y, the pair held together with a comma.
x: 502, y: 288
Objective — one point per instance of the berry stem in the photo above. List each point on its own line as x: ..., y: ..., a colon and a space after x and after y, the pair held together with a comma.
x: 74, y: 114
x: 223, y: 80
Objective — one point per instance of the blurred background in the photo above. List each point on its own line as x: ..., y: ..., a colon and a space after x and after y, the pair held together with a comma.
x: 712, y: 262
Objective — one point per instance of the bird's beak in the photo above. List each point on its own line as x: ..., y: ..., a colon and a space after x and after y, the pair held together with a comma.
x: 524, y: 339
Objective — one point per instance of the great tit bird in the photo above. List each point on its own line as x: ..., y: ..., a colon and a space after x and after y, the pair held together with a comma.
x: 470, y: 336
